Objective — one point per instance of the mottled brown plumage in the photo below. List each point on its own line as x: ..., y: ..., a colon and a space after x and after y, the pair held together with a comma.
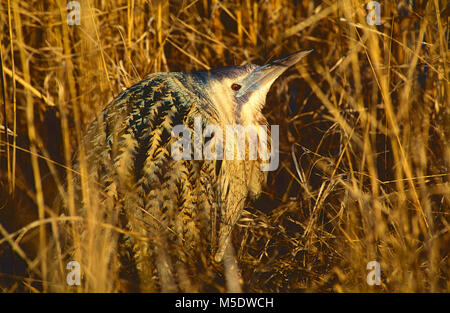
x: 178, y: 214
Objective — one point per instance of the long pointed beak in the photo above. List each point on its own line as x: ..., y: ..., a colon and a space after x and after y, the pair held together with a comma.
x: 265, y: 75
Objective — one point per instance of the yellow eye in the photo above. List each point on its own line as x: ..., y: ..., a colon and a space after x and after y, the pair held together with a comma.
x: 235, y: 87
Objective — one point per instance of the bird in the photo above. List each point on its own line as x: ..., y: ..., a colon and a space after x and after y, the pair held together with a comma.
x: 187, y: 206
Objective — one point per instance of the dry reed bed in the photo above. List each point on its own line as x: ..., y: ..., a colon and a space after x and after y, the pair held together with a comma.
x: 364, y: 127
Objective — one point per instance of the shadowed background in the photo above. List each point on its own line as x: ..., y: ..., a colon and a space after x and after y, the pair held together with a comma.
x: 364, y: 130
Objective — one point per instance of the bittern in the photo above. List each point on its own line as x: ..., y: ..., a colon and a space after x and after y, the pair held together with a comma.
x: 178, y: 201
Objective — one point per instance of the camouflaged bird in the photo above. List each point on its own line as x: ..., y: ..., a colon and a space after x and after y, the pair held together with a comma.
x: 186, y: 207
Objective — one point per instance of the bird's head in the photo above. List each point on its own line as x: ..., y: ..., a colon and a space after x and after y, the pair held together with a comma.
x: 238, y: 93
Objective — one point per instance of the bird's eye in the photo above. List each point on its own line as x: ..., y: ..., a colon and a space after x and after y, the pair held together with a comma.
x: 235, y: 87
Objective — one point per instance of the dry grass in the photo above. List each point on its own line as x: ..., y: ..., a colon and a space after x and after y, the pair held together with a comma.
x: 364, y: 127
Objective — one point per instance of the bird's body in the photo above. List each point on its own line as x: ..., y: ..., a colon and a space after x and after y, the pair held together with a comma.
x: 185, y: 208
